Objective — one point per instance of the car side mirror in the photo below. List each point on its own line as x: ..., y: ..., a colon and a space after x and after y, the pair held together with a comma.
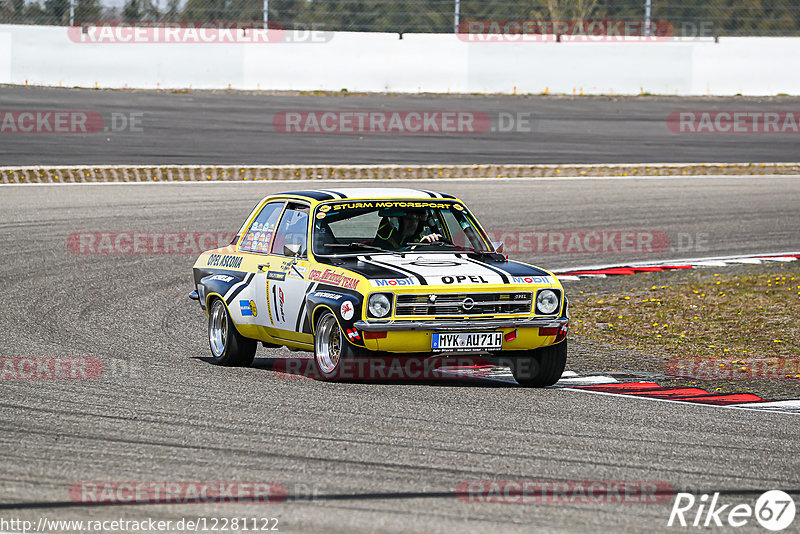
x: 498, y: 246
x: 291, y: 249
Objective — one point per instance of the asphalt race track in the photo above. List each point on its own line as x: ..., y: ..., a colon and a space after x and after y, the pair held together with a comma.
x: 237, y: 128
x: 354, y: 457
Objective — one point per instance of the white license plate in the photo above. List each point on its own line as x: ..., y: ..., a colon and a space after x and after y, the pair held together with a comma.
x: 467, y: 341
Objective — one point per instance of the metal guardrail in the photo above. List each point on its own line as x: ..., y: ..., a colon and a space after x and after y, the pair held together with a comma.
x: 710, y: 18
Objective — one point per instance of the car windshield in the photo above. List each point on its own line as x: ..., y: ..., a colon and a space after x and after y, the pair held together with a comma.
x: 395, y: 226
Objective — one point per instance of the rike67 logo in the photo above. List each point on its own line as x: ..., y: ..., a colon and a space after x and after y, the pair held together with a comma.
x: 774, y: 510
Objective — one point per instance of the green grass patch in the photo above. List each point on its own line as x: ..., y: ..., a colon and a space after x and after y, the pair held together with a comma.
x: 744, y: 325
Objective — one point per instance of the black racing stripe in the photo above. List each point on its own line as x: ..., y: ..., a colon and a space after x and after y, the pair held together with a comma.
x: 303, y: 307
x: 502, y: 274
x: 445, y: 195
x: 362, y: 265
x: 429, y: 193
x: 315, y: 194
x: 409, y: 272
x: 321, y: 286
x: 336, y: 194
x: 239, y: 289
x: 515, y: 268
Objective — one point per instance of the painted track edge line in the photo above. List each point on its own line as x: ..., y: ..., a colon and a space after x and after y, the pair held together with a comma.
x: 680, y: 261
x: 743, y: 406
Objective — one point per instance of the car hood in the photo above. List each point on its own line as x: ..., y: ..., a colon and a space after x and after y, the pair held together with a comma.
x: 442, y: 269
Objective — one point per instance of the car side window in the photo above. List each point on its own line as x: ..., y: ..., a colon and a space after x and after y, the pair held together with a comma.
x: 259, y: 235
x: 292, y: 234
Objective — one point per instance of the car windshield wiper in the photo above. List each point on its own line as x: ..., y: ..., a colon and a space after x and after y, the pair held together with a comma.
x: 478, y: 252
x: 431, y: 243
x: 354, y: 246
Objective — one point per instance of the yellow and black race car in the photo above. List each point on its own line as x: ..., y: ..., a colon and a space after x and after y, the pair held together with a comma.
x: 356, y: 273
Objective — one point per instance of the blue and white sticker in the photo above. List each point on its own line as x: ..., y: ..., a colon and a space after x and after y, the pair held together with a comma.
x: 392, y: 282
x: 532, y: 280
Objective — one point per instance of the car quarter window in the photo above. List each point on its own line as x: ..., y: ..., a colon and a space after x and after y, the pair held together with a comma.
x: 259, y: 235
x: 292, y: 234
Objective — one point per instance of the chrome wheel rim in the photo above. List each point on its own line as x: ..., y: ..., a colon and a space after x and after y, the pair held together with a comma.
x: 328, y: 345
x: 218, y: 329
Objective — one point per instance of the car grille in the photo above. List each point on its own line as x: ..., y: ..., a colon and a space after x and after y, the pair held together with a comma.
x: 463, y: 304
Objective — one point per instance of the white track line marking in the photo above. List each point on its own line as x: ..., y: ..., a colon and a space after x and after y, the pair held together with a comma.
x: 779, y: 258
x: 753, y: 261
x: 585, y: 381
x: 709, y: 264
x: 793, y: 405
x: 714, y: 261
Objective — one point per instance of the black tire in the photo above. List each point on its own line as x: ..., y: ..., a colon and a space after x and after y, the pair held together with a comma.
x: 332, y: 351
x: 540, y: 367
x: 228, y: 347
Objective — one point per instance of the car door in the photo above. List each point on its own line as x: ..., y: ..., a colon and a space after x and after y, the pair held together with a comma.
x: 286, y: 276
x: 257, y: 241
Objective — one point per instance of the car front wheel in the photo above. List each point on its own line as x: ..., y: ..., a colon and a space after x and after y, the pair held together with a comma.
x: 332, y: 351
x: 228, y: 347
x: 540, y: 367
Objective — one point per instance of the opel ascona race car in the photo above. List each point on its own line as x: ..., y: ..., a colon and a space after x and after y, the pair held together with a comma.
x: 364, y: 273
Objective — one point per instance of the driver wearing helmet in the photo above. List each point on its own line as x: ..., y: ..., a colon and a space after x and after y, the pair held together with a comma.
x: 396, y: 231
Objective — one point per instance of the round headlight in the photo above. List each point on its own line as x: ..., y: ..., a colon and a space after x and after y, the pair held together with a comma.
x: 546, y: 302
x: 379, y: 305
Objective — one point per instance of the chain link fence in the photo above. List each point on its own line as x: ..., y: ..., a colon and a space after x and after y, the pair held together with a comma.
x: 685, y: 18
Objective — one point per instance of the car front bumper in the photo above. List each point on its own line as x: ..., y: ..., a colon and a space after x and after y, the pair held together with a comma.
x: 416, y: 336
x: 474, y: 325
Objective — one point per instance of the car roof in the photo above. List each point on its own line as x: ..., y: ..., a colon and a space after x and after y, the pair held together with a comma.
x: 367, y: 192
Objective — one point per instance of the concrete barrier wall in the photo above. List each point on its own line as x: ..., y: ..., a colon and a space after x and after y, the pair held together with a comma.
x: 46, y: 55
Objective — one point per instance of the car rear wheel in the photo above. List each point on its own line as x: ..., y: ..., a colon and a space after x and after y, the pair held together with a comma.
x: 228, y: 347
x: 540, y: 367
x: 331, y: 348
